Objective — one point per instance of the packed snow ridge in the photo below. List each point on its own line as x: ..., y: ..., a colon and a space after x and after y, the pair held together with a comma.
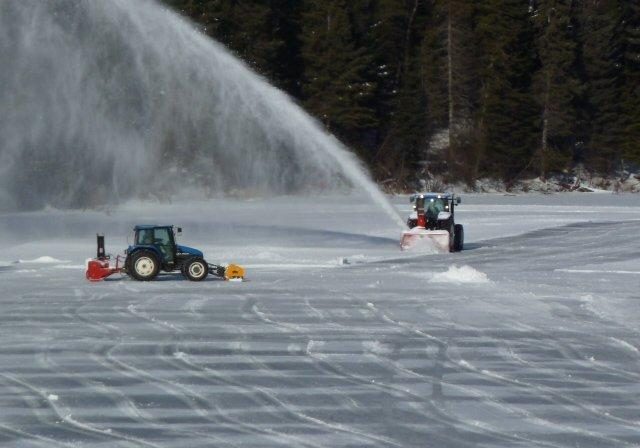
x: 463, y: 274
x: 42, y: 260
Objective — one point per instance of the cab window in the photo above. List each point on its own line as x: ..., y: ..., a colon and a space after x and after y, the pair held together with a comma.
x: 162, y: 237
x: 145, y: 237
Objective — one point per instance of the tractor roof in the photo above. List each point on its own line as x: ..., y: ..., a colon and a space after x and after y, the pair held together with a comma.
x: 150, y: 226
x: 431, y: 195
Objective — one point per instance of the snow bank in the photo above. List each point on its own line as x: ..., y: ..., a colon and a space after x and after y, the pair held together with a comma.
x: 463, y: 274
x: 43, y: 260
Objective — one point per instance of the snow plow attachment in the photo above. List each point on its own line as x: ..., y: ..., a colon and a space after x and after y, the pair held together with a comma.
x: 422, y: 239
x: 232, y: 272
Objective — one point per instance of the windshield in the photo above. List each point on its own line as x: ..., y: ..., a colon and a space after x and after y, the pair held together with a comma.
x: 144, y: 237
x: 434, y: 206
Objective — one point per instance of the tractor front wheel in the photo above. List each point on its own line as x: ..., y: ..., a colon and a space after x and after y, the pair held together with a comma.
x: 143, y: 266
x: 196, y: 269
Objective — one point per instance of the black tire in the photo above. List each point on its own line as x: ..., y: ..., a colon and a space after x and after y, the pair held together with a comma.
x: 196, y: 269
x: 143, y: 265
x: 458, y: 238
x: 452, y: 238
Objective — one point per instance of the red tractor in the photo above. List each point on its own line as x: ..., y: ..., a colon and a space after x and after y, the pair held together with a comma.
x: 432, y: 224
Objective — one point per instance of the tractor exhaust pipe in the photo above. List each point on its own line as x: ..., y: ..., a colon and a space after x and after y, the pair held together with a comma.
x: 422, y: 219
x: 101, y: 253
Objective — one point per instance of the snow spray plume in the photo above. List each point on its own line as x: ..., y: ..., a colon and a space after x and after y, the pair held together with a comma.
x: 107, y: 100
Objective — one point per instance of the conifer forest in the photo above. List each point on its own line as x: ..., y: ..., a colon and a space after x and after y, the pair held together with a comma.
x: 467, y: 89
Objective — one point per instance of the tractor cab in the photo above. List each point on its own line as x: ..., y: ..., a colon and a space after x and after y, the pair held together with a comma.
x: 433, y: 210
x: 161, y: 240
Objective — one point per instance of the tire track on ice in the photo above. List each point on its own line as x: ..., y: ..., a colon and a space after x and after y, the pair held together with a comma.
x: 126, y: 404
x: 72, y: 424
x: 565, y: 351
x: 250, y: 305
x: 46, y: 442
x: 205, y: 373
x: 327, y: 367
x: 289, y: 328
x: 544, y: 422
x: 133, y: 309
x: 187, y: 396
x: 181, y: 357
x: 40, y: 418
x: 204, y: 412
x: 75, y: 313
x: 444, y: 417
x: 503, y: 380
x: 77, y: 426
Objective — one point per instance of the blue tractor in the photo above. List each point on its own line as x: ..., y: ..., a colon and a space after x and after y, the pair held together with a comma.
x: 154, y: 250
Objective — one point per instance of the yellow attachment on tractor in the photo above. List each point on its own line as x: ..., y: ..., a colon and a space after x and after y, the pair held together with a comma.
x: 234, y: 272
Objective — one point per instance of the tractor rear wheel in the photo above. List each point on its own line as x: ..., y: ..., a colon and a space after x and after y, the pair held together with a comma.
x: 196, y: 269
x: 143, y: 266
x: 458, y: 238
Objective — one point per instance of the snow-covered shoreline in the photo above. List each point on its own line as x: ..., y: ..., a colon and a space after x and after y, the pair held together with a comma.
x: 578, y: 181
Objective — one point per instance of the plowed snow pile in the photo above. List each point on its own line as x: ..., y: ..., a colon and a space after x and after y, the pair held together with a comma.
x: 42, y: 260
x: 462, y: 274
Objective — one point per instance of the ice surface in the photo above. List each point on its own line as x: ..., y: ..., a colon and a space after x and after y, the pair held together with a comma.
x: 315, y: 353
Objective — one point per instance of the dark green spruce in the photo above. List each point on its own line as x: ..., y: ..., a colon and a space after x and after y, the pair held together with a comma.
x: 465, y: 89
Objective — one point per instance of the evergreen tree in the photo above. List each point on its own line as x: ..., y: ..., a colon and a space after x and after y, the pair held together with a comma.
x: 631, y: 85
x: 450, y: 74
x: 557, y: 85
x: 263, y: 34
x: 388, y: 30
x: 338, y: 86
x: 500, y: 87
x: 603, y: 65
x: 507, y: 114
x: 388, y: 33
x: 397, y: 31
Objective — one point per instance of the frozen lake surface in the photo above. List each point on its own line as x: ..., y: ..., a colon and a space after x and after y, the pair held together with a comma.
x: 530, y: 337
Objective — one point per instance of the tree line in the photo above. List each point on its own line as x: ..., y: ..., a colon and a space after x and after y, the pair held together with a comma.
x: 462, y: 88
